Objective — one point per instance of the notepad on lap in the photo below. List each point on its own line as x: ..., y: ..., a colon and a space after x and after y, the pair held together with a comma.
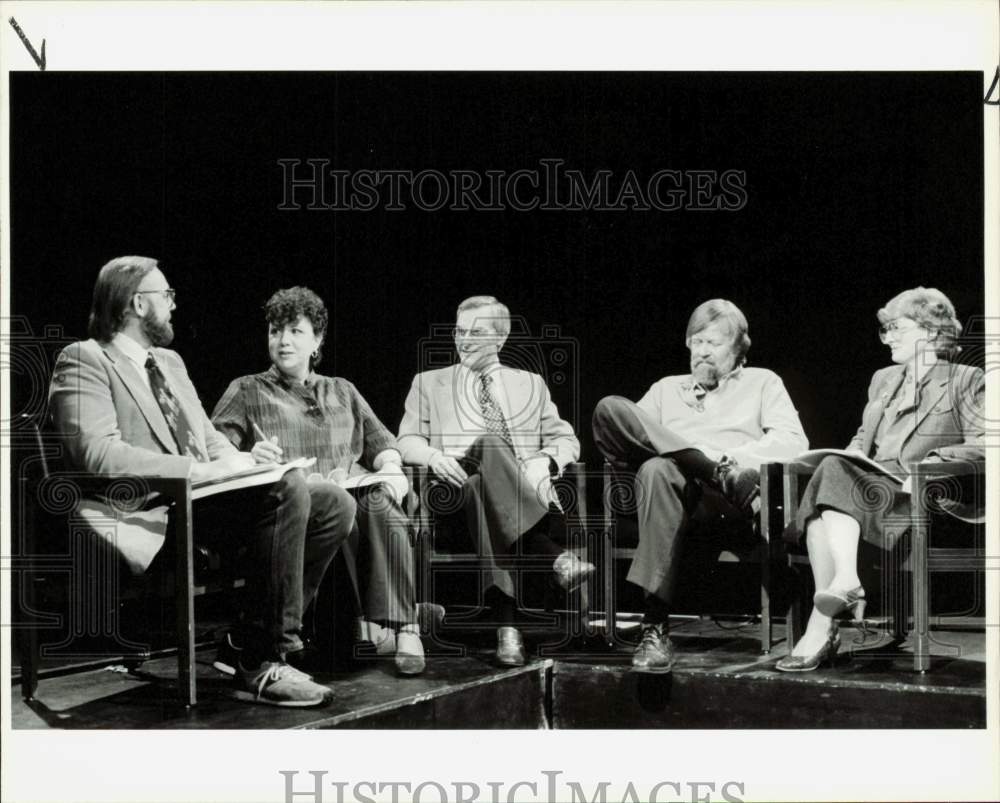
x: 262, y: 474
x: 813, y: 458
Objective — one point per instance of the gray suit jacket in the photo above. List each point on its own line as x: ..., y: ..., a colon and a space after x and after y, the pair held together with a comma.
x: 111, y: 424
x: 948, y: 423
x: 439, y: 417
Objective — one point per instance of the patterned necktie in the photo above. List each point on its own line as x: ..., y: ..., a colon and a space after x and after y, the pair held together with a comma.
x: 496, y: 424
x: 176, y: 419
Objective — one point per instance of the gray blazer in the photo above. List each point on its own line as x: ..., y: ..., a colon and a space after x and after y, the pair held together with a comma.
x: 949, y: 422
x: 437, y: 417
x: 111, y: 424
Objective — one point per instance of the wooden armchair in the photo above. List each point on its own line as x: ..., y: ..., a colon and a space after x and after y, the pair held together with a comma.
x: 48, y: 494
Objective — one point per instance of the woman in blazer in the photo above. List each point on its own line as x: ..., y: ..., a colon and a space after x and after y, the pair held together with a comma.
x: 922, y: 408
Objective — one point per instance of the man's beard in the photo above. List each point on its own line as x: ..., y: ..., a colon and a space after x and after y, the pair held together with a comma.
x: 159, y: 333
x: 706, y: 374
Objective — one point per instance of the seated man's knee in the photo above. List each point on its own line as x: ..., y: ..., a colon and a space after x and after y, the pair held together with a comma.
x: 608, y: 406
x: 660, y: 470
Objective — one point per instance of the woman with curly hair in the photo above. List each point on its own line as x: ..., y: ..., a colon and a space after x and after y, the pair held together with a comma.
x: 922, y: 408
x: 301, y: 413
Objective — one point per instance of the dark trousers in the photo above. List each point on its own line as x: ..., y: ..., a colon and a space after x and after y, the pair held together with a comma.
x: 497, y: 504
x: 668, y: 504
x: 292, y: 530
x: 379, y: 559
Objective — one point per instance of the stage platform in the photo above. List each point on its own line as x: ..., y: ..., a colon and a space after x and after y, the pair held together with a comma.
x: 720, y: 681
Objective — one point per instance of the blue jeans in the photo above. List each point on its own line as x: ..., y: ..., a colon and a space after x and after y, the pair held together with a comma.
x: 292, y: 530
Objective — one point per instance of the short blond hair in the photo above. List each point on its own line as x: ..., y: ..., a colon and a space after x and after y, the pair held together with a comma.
x: 932, y: 310
x: 718, y: 309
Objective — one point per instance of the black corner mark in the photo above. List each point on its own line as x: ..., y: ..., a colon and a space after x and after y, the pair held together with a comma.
x: 39, y: 60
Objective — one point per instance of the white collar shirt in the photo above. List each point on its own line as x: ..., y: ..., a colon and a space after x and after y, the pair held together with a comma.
x: 135, y: 352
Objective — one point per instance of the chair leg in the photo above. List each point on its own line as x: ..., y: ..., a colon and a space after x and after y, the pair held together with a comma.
x: 900, y: 606
x: 608, y: 567
x: 185, y: 603
x: 795, y: 617
x: 793, y: 624
x: 921, y: 591
x: 27, y: 636
x: 765, y: 604
x: 24, y: 589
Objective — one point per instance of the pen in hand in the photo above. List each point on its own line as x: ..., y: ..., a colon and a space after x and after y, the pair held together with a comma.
x: 265, y: 450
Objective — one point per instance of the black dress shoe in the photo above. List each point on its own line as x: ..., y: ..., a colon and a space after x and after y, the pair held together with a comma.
x: 740, y: 486
x: 655, y: 652
x: 510, y: 647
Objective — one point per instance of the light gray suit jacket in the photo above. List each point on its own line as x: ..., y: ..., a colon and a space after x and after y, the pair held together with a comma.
x: 948, y: 423
x: 438, y: 416
x: 111, y: 424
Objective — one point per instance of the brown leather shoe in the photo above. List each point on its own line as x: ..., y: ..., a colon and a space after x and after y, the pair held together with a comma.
x: 510, y: 647
x: 571, y: 572
x: 655, y: 652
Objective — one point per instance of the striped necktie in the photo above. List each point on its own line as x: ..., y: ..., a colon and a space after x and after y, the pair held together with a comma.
x: 496, y: 424
x: 176, y: 420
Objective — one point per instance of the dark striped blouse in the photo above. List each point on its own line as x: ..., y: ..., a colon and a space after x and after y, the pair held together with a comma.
x: 325, y: 417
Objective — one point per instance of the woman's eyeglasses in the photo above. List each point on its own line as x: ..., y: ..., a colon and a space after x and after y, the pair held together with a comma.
x: 892, y: 329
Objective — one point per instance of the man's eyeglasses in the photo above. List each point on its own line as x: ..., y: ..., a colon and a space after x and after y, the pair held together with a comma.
x: 170, y: 294
x: 893, y: 329
x: 477, y: 332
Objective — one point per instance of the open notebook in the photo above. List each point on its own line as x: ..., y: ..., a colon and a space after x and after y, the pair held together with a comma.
x: 813, y: 458
x: 262, y: 474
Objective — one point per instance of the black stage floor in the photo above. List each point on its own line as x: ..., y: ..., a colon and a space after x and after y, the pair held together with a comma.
x: 720, y: 681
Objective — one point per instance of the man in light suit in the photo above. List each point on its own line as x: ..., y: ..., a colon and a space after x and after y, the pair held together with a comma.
x: 124, y: 404
x: 494, y: 434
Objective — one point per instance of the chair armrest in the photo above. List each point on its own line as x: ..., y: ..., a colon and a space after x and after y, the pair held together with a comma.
x: 126, y: 490
x: 948, y: 468
x: 571, y: 488
x: 792, y: 468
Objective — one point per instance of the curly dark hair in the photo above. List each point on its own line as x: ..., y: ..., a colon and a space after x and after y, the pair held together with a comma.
x: 287, y: 306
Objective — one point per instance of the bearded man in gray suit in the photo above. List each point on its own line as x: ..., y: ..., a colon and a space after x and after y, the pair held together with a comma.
x: 124, y: 404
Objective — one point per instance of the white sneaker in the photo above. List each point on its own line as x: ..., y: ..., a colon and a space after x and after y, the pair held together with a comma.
x: 275, y: 683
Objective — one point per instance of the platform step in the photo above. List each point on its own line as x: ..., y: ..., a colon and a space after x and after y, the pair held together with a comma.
x: 454, y: 693
x: 719, y: 688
